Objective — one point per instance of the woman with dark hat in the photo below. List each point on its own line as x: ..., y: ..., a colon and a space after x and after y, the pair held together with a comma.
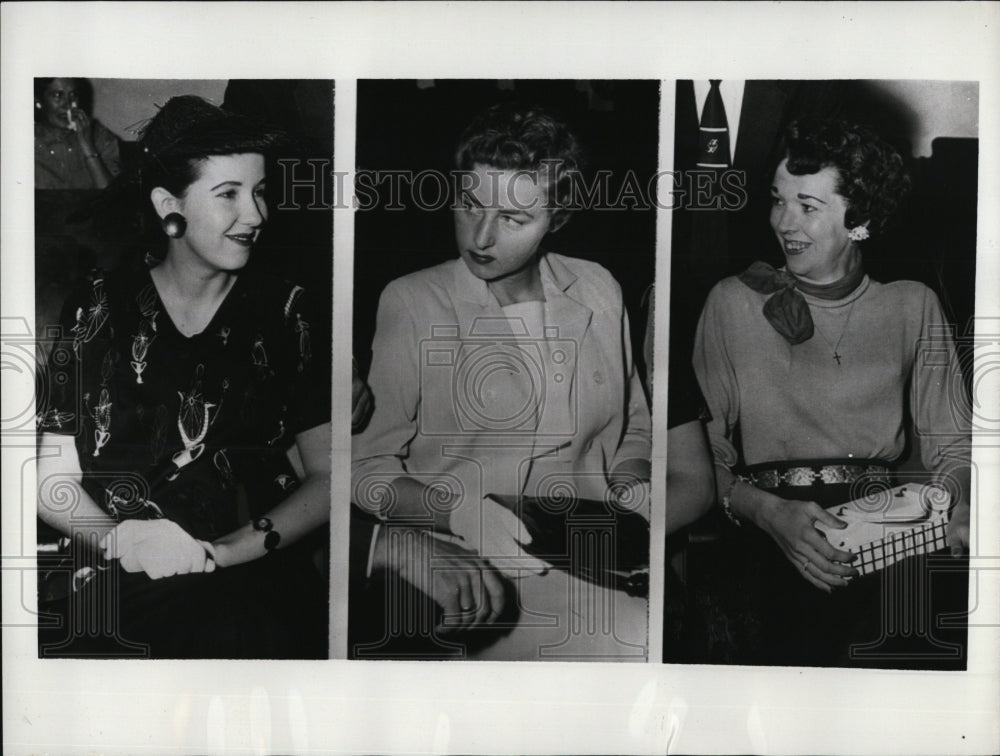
x: 183, y: 383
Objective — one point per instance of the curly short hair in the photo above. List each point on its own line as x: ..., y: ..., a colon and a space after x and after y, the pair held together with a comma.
x: 513, y: 136
x: 871, y: 174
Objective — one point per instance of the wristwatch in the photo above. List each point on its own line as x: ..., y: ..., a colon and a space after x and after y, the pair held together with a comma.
x: 272, y: 537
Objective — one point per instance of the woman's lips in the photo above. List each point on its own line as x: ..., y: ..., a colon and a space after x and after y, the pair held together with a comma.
x: 481, y: 259
x: 245, y: 240
x: 795, y: 247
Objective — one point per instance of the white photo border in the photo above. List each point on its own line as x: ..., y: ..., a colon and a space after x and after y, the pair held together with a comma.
x: 74, y: 706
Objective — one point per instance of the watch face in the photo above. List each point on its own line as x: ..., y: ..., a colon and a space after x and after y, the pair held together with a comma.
x: 271, y: 540
x: 262, y: 523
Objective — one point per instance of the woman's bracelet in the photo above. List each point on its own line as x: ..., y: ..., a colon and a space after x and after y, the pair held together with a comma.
x: 727, y: 501
x: 91, y: 155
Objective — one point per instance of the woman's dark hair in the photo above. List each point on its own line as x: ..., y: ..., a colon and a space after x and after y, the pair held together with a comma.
x: 511, y: 136
x: 871, y: 174
x: 84, y: 93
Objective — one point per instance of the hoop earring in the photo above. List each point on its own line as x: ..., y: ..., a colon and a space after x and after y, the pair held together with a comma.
x: 174, y: 225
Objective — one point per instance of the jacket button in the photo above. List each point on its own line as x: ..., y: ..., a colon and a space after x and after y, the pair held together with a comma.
x: 598, y: 377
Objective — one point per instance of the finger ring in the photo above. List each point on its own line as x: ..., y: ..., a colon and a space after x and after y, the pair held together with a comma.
x: 805, y: 565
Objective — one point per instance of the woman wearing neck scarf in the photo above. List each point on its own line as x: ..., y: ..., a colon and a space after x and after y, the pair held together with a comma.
x: 808, y: 372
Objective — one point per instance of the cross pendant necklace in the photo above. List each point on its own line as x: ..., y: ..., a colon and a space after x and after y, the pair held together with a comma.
x: 835, y: 347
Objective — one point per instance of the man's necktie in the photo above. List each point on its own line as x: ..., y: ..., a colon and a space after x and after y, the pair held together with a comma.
x: 713, y: 133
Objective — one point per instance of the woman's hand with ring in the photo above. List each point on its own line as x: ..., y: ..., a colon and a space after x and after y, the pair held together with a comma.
x: 792, y: 525
x: 468, y: 590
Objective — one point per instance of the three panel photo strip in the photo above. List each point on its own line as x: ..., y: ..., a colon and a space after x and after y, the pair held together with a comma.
x: 813, y: 346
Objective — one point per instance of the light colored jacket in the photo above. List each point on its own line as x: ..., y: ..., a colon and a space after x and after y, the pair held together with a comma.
x: 461, y: 401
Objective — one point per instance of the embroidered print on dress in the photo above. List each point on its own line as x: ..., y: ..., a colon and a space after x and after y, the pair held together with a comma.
x: 259, y: 355
x: 305, y: 350
x: 225, y: 469
x: 194, y: 417
x: 53, y: 418
x: 146, y: 300
x: 301, y: 326
x: 90, y: 321
x: 281, y: 428
x: 285, y: 481
x: 123, y: 500
x: 101, y: 412
x: 140, y: 345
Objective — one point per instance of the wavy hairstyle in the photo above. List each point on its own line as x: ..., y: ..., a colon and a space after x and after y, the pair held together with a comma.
x: 513, y: 136
x: 871, y: 176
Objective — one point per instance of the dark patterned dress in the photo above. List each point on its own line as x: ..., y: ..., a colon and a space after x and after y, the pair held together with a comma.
x: 194, y: 429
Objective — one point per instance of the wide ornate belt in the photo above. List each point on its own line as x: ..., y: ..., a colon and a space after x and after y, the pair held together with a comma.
x: 810, y: 475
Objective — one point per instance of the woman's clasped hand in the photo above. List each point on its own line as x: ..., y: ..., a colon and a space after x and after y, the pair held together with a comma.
x: 160, y: 548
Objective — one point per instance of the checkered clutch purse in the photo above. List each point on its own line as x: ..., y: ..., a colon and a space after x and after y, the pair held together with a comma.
x: 890, y: 525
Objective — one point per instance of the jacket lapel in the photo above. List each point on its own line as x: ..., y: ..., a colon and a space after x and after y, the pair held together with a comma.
x: 567, y: 322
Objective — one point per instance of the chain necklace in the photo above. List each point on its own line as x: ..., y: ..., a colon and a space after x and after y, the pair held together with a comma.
x: 834, y: 347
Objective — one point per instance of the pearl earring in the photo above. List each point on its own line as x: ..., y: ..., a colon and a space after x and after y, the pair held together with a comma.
x: 174, y: 225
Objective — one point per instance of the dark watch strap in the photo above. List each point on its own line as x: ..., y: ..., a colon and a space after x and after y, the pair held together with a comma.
x: 272, y: 537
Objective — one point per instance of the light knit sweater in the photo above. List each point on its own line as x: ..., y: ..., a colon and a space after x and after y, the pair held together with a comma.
x: 797, y: 402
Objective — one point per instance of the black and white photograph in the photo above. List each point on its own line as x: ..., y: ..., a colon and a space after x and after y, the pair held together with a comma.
x: 184, y: 424
x: 823, y: 294
x: 501, y: 485
x: 500, y: 377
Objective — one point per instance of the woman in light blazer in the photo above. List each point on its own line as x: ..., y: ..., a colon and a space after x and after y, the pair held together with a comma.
x: 507, y: 372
